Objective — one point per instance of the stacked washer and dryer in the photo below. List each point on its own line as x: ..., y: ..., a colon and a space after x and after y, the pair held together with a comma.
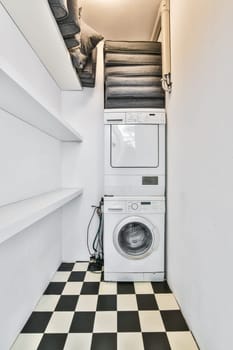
x: 134, y: 202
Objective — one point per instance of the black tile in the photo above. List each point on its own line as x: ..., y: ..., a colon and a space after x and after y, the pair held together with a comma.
x: 77, y: 276
x: 104, y: 341
x: 146, y: 302
x: 90, y: 288
x: 161, y: 287
x: 37, y: 322
x: 83, y: 322
x: 125, y: 288
x: 52, y: 342
x: 66, y: 267
x: 67, y: 303
x: 55, y: 288
x: 128, y: 321
x: 154, y: 341
x: 107, y: 303
x: 174, y: 321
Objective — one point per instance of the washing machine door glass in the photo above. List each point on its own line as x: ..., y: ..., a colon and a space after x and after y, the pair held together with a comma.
x: 135, y: 239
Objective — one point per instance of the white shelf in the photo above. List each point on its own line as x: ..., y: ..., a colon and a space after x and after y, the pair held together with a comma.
x: 15, y: 100
x: 20, y: 215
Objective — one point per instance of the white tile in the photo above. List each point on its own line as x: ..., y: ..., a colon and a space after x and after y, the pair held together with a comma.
x: 27, y: 342
x: 143, y: 288
x: 181, y: 341
x: 126, y: 302
x: 60, y: 322
x: 72, y: 288
x: 108, y: 288
x: 80, y: 266
x: 166, y: 302
x: 105, y: 322
x: 92, y: 276
x: 61, y: 276
x: 78, y: 341
x: 126, y: 341
x: 87, y: 303
x: 151, y: 321
x: 47, y: 303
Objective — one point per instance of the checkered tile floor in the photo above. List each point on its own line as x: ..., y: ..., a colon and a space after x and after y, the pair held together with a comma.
x: 80, y: 311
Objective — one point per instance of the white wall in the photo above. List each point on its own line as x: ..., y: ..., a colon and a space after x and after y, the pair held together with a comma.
x: 30, y: 160
x: 200, y: 168
x: 83, y: 163
x: 30, y: 165
x: 36, y: 21
x: 27, y: 263
x: 21, y: 63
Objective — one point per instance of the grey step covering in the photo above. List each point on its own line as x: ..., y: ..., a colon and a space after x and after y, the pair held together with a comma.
x: 59, y: 8
x: 70, y: 25
x: 88, y: 83
x: 133, y: 81
x: 73, y: 42
x: 133, y: 72
x: 134, y: 103
x: 129, y: 71
x: 88, y: 74
x: 134, y: 92
x: 116, y: 59
x: 133, y: 47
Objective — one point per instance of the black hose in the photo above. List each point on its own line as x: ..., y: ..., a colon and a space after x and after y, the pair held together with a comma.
x: 94, y: 246
x: 97, y: 245
x: 88, y: 229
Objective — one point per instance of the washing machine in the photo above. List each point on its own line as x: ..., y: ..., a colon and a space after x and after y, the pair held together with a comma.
x: 134, y: 152
x: 134, y: 238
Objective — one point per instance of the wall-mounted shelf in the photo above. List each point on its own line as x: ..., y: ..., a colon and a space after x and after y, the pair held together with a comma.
x: 17, y: 101
x: 18, y: 216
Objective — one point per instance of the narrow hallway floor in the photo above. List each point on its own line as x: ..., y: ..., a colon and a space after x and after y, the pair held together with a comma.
x: 80, y: 311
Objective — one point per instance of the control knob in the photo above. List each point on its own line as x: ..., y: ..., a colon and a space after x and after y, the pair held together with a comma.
x: 134, y: 206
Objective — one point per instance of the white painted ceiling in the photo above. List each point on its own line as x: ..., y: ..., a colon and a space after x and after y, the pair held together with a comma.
x: 115, y: 19
x: 121, y: 19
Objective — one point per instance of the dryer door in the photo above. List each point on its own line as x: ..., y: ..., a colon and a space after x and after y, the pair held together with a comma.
x: 135, y: 237
x: 134, y: 146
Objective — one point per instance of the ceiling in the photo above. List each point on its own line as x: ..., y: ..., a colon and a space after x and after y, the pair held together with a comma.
x: 114, y: 19
x: 121, y: 19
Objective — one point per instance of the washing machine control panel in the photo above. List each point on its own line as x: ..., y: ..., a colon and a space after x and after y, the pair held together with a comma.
x: 134, y: 206
x: 143, y: 206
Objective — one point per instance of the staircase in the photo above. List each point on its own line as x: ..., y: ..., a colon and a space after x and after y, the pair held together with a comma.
x: 133, y: 73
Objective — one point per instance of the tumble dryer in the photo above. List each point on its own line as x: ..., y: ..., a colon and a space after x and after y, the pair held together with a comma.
x: 134, y: 238
x: 134, y: 152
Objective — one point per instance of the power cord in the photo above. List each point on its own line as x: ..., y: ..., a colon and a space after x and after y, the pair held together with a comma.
x: 96, y: 255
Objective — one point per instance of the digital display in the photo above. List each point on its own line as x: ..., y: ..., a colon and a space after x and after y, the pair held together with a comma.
x: 145, y: 203
x: 150, y: 180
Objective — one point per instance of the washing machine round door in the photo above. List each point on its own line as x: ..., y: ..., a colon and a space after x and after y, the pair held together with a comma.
x: 135, y: 237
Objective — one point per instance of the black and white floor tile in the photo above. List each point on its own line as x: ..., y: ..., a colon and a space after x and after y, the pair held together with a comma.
x: 80, y: 311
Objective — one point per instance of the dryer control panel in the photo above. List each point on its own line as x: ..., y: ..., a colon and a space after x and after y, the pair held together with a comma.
x: 135, y: 117
x: 144, y: 118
